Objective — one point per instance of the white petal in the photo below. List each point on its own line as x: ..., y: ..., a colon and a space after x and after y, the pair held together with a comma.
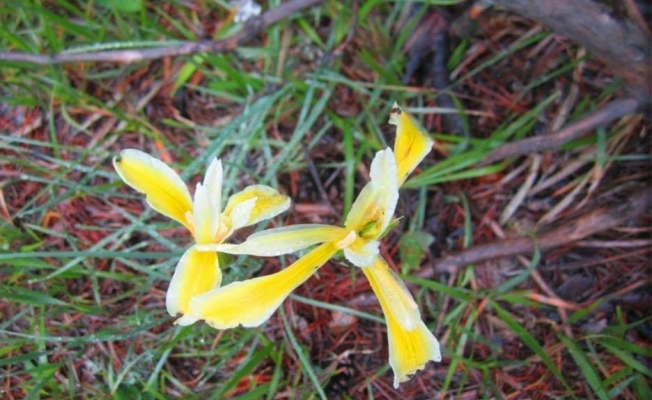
x: 213, y: 181
x: 376, y: 202
x: 364, y: 256
x: 384, y: 175
x: 205, y: 216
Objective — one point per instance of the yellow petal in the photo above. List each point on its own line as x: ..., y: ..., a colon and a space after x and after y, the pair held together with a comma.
x: 374, y: 207
x: 412, y: 143
x: 240, y: 213
x: 411, y: 344
x: 164, y: 190
x: 391, y: 292
x: 410, y: 350
x: 197, y: 272
x: 250, y: 303
x: 284, y: 240
x: 269, y: 203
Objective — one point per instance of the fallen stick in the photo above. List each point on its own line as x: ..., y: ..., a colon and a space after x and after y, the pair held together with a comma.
x: 251, y: 28
x: 593, y: 222
x: 612, y: 111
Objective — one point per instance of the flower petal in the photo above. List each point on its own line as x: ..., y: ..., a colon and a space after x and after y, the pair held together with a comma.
x: 250, y: 303
x: 390, y: 289
x: 241, y: 213
x: 410, y: 350
x: 412, y: 143
x: 284, y: 240
x: 374, y: 207
x: 164, y: 190
x: 205, y: 217
x: 411, y: 344
x: 269, y: 203
x: 362, y: 254
x: 383, y: 173
x: 213, y: 181
x: 197, y: 272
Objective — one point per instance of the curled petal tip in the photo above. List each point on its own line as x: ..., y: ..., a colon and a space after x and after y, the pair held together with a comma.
x: 410, y: 351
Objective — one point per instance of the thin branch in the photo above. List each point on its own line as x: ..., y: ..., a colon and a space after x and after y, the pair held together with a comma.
x: 251, y: 28
x: 612, y: 111
x: 586, y: 225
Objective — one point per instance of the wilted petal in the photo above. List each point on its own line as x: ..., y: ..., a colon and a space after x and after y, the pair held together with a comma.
x: 411, y: 344
x: 269, y: 203
x: 412, y: 143
x: 164, y: 190
x: 284, y: 240
x: 197, y: 272
x: 250, y: 303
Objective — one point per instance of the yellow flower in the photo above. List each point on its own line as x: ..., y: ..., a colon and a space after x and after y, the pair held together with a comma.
x: 411, y: 344
x: 197, y: 271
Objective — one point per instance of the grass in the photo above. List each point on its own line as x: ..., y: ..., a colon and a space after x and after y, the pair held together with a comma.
x: 85, y: 263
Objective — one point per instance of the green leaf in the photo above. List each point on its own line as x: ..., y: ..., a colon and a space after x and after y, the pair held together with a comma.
x: 126, y: 6
x: 26, y: 296
x: 412, y: 247
x: 582, y: 361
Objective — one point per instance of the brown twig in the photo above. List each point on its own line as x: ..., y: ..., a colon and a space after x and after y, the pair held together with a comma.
x: 251, y: 28
x: 612, y: 111
x: 586, y: 225
x: 620, y: 44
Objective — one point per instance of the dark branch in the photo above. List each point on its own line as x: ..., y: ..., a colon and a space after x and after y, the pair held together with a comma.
x: 612, y: 111
x: 588, y: 224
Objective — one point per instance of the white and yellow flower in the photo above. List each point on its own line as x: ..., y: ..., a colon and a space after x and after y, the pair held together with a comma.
x: 197, y: 271
x: 250, y: 303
